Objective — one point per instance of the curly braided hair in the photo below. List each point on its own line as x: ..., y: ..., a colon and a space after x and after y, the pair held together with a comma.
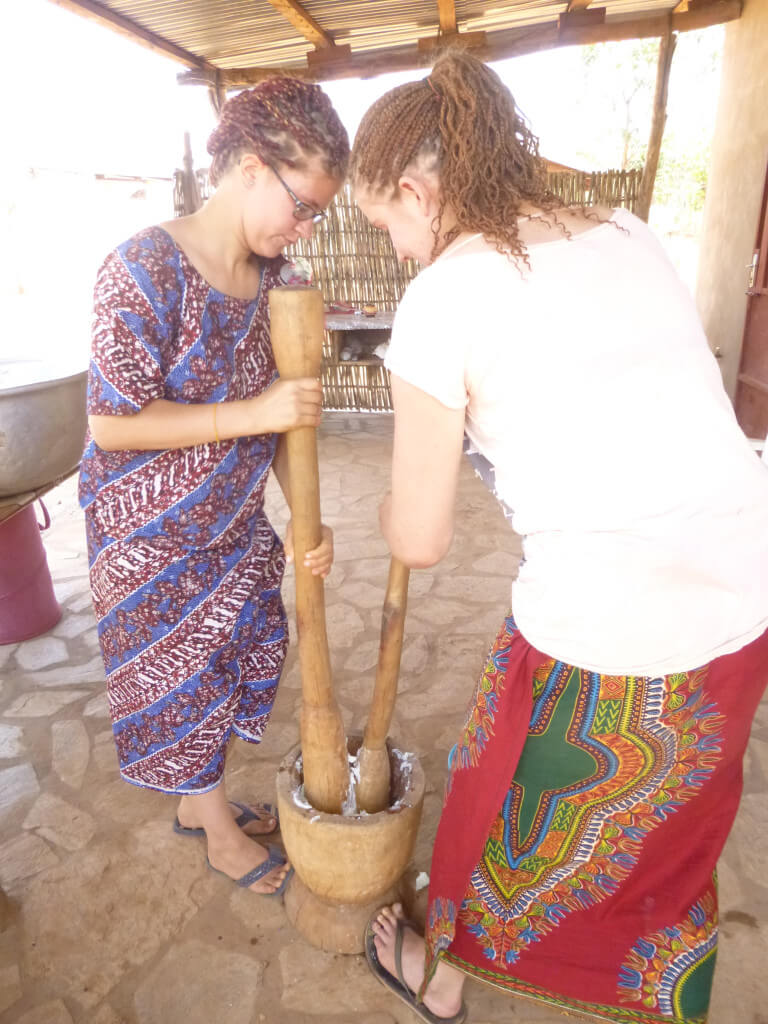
x: 462, y: 122
x: 284, y: 120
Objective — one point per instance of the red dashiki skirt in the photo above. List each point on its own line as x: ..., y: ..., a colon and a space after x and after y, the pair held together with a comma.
x: 588, y: 881
x: 185, y: 568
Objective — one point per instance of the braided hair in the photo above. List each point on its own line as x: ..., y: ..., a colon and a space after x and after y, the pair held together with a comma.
x: 284, y: 121
x: 463, y: 123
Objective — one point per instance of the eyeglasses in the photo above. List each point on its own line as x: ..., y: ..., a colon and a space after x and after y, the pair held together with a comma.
x: 301, y: 210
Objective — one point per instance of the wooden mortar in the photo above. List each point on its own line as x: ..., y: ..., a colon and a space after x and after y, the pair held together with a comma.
x: 346, y: 866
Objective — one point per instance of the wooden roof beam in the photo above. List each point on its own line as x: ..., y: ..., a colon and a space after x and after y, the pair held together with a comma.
x: 303, y: 22
x: 448, y: 32
x: 329, y: 57
x: 580, y: 17
x: 94, y: 11
x: 527, y: 40
x: 469, y: 40
x: 447, y: 12
x: 689, y: 5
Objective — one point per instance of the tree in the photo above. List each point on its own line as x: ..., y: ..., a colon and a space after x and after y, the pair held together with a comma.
x: 618, y: 87
x: 625, y: 76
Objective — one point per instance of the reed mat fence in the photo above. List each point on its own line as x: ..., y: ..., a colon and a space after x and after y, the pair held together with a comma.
x: 356, y: 386
x: 597, y: 188
x: 352, y: 261
x: 355, y: 263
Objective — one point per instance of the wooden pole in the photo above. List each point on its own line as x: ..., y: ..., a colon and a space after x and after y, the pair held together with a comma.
x: 189, y: 190
x: 645, y: 192
x: 297, y: 325
x: 217, y: 94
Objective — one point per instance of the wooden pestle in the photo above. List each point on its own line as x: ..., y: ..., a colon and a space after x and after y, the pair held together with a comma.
x: 372, y: 788
x: 297, y: 326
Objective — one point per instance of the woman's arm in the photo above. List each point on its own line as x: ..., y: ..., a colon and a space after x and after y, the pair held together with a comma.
x: 284, y: 405
x: 417, y: 518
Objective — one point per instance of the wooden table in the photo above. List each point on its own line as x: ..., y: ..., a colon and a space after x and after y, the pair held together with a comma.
x: 13, y: 503
x: 355, y: 384
x: 381, y: 320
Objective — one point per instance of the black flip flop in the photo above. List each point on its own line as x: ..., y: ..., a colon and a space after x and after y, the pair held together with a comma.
x: 397, y: 985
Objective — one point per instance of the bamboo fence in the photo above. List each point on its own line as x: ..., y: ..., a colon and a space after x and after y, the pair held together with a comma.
x: 597, y: 188
x: 355, y: 263
x: 356, y: 386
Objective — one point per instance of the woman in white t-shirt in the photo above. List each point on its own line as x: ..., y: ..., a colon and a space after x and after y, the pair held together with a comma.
x: 599, y: 770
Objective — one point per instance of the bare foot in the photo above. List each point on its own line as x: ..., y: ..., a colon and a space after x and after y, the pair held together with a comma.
x: 443, y: 995
x: 264, y: 823
x: 236, y: 855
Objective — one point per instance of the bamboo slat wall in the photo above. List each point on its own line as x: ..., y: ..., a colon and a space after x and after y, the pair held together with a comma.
x: 358, y: 387
x: 598, y: 188
x: 353, y: 262
x: 181, y: 199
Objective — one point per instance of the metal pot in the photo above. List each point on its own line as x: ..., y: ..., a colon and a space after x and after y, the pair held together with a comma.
x: 42, y: 424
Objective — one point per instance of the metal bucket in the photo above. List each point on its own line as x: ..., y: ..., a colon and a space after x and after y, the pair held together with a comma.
x: 28, y: 605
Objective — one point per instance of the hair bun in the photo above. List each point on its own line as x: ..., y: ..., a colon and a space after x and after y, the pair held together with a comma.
x: 277, y: 116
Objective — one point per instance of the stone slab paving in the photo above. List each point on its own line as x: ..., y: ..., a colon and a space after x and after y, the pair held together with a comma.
x: 113, y: 919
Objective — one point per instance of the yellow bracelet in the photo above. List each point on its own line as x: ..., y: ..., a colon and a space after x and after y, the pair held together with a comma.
x: 215, y: 429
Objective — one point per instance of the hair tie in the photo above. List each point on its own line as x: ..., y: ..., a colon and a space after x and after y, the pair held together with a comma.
x: 431, y: 85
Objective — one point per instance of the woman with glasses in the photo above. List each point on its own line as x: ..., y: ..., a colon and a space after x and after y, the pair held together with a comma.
x: 186, y: 416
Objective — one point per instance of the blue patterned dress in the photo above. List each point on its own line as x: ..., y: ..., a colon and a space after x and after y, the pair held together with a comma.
x: 185, y: 568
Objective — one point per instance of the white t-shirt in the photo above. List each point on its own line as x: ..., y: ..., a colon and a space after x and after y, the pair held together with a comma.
x: 589, y: 386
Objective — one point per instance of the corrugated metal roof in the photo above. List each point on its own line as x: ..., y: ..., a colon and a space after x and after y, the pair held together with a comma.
x: 243, y: 34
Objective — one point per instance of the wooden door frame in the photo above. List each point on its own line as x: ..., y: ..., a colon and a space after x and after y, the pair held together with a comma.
x: 757, y: 287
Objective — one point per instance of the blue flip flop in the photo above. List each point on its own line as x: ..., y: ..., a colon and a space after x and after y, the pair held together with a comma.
x: 246, y: 815
x: 274, y: 860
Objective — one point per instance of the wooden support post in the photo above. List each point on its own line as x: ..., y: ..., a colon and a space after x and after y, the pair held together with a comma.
x: 217, y: 93
x: 190, y: 192
x: 645, y: 192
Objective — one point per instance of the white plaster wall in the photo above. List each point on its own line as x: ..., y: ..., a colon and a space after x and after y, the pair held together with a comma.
x: 737, y: 173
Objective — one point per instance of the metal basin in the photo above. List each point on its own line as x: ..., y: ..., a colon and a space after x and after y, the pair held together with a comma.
x: 42, y: 424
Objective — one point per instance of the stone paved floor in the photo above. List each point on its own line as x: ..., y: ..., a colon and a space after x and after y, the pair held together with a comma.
x: 115, y: 920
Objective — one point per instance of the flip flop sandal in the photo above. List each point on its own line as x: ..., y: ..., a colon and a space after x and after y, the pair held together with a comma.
x: 397, y: 985
x: 274, y: 860
x: 244, y: 818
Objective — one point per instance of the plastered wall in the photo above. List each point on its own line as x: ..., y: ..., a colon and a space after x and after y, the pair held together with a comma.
x: 737, y: 173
